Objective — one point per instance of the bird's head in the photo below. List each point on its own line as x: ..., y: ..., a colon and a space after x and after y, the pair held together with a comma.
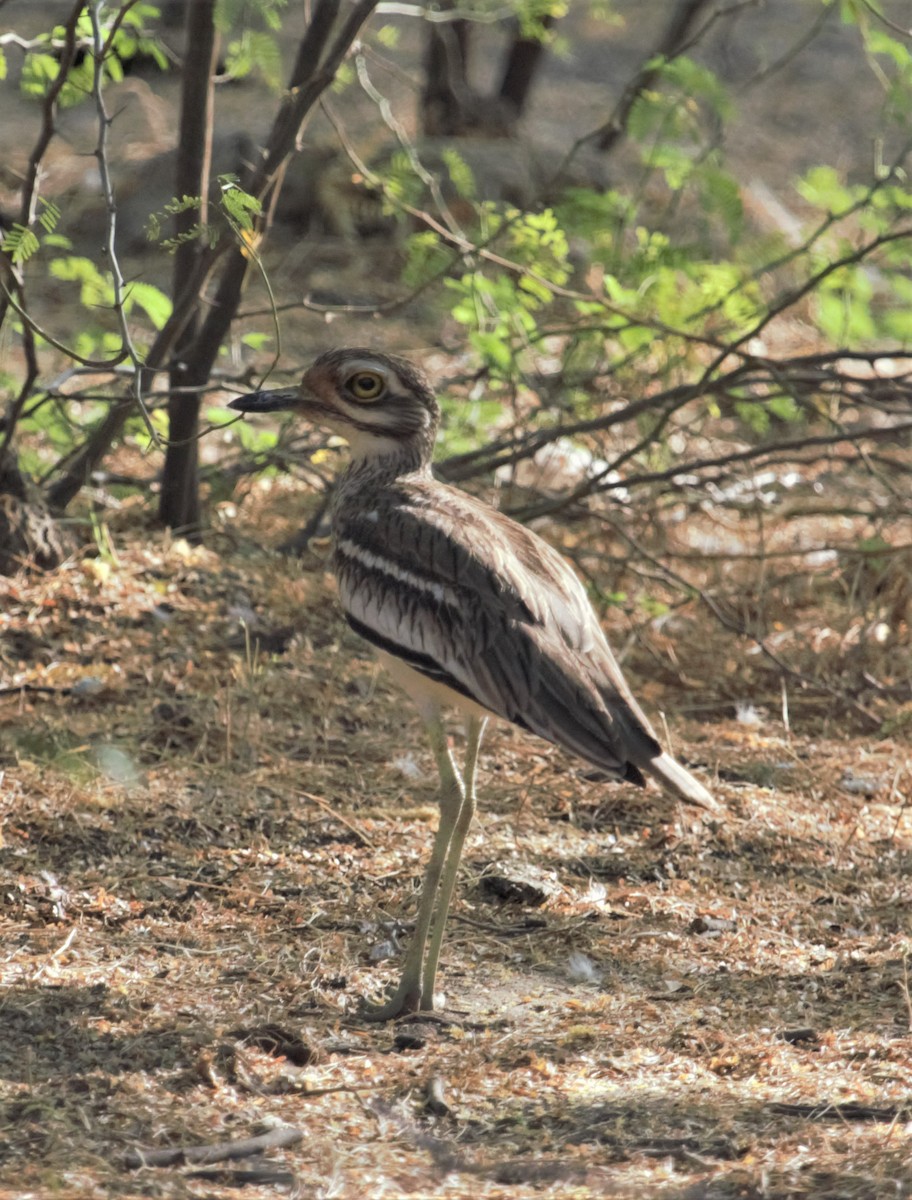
x: 379, y: 403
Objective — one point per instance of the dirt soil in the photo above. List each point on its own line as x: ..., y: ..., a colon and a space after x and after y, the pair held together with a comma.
x: 215, y: 820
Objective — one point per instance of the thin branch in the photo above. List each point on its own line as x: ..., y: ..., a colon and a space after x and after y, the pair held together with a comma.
x: 430, y: 181
x: 513, y: 450
x: 904, y: 31
x: 33, y: 326
x: 170, y: 1156
x: 27, y: 208
x: 678, y: 38
x: 842, y: 549
x: 738, y: 627
x: 49, y: 117
x: 100, y: 49
x: 793, y: 51
x: 77, y: 467
x: 443, y: 16
x: 892, y: 174
x: 791, y: 297
x: 765, y: 455
x: 304, y: 92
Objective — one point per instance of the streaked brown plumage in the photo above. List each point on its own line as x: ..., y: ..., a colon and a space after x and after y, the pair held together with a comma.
x: 467, y: 607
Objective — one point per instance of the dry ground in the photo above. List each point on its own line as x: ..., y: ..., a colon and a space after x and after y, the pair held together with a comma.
x: 212, y: 846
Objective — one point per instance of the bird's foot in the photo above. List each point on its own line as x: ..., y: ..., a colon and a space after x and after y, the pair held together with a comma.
x: 405, y: 1000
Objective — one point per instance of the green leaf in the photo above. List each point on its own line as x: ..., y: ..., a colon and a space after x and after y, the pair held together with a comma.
x: 156, y: 305
x: 239, y: 206
x: 844, y: 318
x: 388, y: 36
x: 535, y: 288
x: 460, y: 174
x: 850, y: 12
x: 95, y: 290
x: 674, y: 163
x: 493, y: 349
x: 880, y: 42
x: 754, y: 416
x: 255, y: 52
x: 722, y: 194
x: 220, y: 416
x: 114, y: 68
x: 254, y: 438
x: 20, y: 243
x: 426, y: 256
x: 49, y: 216
x: 785, y: 408
x: 38, y: 72
x: 256, y: 341
x: 822, y: 187
x: 897, y: 319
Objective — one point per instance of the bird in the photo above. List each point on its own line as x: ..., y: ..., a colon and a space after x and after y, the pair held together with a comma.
x: 468, y: 609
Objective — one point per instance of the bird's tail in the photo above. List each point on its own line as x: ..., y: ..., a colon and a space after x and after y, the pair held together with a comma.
x: 679, y: 781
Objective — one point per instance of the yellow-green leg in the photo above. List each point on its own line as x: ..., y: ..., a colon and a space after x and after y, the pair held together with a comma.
x: 408, y: 996
x: 474, y: 729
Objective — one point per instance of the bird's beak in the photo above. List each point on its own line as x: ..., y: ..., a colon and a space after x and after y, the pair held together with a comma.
x: 274, y: 401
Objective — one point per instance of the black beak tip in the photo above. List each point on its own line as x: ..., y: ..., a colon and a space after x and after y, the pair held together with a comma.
x: 279, y: 400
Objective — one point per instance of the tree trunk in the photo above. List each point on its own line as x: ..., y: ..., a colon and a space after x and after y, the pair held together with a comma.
x: 445, y: 94
x: 522, y: 62
x: 180, y: 506
x: 30, y: 535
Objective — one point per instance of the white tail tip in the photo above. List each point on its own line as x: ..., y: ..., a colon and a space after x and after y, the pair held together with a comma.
x: 679, y: 781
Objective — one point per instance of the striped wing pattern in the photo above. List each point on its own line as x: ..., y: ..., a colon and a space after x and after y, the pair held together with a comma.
x: 474, y: 601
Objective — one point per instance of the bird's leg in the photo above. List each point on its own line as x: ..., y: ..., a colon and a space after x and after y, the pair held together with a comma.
x: 475, y: 727
x: 408, y: 995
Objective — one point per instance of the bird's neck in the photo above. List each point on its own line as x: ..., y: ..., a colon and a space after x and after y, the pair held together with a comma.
x: 383, y: 464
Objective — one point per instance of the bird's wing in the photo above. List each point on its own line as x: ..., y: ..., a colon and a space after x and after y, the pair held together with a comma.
x: 476, y: 601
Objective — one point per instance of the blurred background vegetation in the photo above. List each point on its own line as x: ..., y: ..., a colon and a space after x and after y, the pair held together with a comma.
x: 655, y: 257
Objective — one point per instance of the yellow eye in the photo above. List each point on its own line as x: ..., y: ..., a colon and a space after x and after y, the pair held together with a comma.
x: 366, y: 385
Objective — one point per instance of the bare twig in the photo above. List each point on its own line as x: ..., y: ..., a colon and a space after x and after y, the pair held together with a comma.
x: 100, y: 49
x: 844, y: 1112
x: 27, y: 214
x: 337, y: 816
x: 789, y: 55
x: 677, y: 39
x: 904, y: 31
x: 738, y: 627
x: 765, y: 454
x: 906, y: 993
x: 171, y: 1156
x: 430, y: 180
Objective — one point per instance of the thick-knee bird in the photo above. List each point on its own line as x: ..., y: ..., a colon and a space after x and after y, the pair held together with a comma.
x: 467, y: 608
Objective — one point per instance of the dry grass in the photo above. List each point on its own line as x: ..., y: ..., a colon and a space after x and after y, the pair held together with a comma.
x: 206, y: 851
